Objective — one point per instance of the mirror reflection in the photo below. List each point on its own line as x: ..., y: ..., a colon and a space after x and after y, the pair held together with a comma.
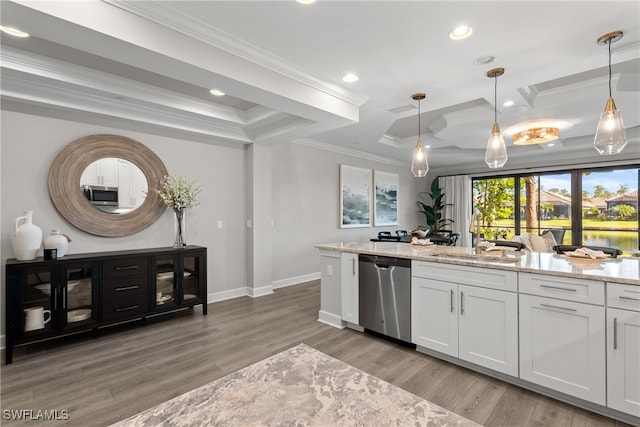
x: 114, y: 185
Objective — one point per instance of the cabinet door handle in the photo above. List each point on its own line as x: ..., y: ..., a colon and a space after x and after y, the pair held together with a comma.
x: 64, y: 298
x: 127, y: 288
x: 353, y: 266
x: 615, y: 333
x: 452, y: 296
x: 461, y: 302
x: 126, y: 267
x: 559, y: 308
x: 55, y: 299
x: 131, y: 307
x: 559, y: 288
x: 630, y: 298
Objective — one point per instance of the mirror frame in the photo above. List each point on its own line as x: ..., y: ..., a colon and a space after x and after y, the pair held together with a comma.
x: 65, y: 189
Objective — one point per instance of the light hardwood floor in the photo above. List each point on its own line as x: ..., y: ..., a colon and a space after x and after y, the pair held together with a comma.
x: 129, y: 368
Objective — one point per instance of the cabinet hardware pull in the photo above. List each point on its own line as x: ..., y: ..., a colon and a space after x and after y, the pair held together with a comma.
x: 461, y: 302
x: 452, y: 294
x: 560, y: 308
x: 131, y: 307
x: 353, y: 265
x: 630, y: 298
x: 64, y: 298
x: 615, y: 333
x: 559, y: 288
x: 55, y: 299
x: 126, y: 267
x: 127, y: 288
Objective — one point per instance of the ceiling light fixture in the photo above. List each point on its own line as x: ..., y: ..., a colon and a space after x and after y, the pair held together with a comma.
x: 306, y: 1
x: 419, y: 163
x: 216, y: 92
x: 350, y: 78
x: 460, y: 32
x: 536, y: 136
x: 496, y: 154
x: 610, y: 136
x: 13, y: 31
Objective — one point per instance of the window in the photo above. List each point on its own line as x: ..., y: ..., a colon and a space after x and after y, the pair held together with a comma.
x: 597, y: 206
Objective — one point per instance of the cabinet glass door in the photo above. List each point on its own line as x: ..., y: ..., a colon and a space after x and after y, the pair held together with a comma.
x: 38, y: 292
x: 191, y: 278
x: 165, y: 282
x: 78, y: 295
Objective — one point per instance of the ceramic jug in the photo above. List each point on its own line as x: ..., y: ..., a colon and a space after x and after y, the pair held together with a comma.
x: 27, y: 238
x: 57, y: 240
x: 34, y: 318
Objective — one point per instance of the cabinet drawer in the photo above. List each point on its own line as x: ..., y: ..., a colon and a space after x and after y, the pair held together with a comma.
x: 623, y: 296
x: 124, y: 287
x: 124, y: 308
x: 566, y: 288
x: 125, y: 267
x: 484, y: 277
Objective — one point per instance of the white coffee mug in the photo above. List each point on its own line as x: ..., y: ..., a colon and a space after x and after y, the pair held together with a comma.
x: 35, y: 318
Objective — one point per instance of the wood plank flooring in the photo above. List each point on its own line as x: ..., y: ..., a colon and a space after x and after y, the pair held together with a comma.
x: 129, y: 368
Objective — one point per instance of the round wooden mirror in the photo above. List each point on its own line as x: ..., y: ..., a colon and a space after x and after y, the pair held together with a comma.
x: 68, y: 198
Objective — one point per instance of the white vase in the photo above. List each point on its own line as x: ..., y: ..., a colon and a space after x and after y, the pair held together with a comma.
x: 57, y: 240
x: 27, y: 238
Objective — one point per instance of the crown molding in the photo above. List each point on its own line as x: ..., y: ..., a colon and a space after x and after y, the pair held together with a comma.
x: 174, y: 19
x: 347, y: 151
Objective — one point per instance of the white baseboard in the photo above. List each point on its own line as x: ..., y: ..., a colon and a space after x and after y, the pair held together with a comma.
x: 225, y: 295
x: 260, y: 292
x: 330, y: 319
x: 276, y: 284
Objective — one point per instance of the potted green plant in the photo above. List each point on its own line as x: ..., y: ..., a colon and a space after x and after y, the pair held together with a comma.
x: 433, y: 213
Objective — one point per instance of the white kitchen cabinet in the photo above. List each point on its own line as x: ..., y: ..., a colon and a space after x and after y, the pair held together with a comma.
x: 102, y: 172
x: 623, y: 348
x: 488, y: 328
x: 434, y: 315
x: 349, y: 287
x: 133, y: 185
x: 562, y: 346
x: 475, y: 324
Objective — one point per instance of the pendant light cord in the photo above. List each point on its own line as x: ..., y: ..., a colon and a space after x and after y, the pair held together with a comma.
x: 419, y: 119
x: 609, y: 43
x: 495, y: 99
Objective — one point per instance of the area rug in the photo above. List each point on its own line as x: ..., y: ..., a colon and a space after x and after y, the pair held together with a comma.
x: 298, y: 387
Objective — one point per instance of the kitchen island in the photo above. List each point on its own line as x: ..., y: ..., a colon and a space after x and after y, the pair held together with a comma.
x: 562, y: 326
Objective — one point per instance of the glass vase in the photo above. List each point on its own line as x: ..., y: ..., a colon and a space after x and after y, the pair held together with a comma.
x: 180, y: 230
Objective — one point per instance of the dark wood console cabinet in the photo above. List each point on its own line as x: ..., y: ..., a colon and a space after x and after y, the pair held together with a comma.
x: 79, y: 292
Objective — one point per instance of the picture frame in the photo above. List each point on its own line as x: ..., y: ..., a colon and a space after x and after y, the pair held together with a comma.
x: 385, y: 206
x: 355, y: 196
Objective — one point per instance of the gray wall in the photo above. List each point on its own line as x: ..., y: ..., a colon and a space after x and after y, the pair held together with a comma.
x: 304, y: 200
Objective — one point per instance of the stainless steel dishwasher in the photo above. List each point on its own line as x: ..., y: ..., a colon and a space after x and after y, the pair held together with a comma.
x: 384, y: 287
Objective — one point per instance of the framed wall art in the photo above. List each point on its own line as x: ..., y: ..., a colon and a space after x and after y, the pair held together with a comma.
x: 385, y: 208
x: 355, y: 197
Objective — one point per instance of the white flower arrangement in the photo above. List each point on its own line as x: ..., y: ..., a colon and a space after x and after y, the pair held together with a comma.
x: 178, y: 192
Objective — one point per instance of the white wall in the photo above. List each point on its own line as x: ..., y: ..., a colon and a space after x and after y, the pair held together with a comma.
x: 306, y: 203
x: 304, y: 187
x: 30, y: 143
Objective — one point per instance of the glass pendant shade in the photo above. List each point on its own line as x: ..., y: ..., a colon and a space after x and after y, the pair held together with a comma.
x: 496, y: 154
x: 419, y: 164
x: 611, y: 136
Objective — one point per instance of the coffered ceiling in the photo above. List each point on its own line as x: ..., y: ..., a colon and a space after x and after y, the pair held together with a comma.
x: 149, y: 65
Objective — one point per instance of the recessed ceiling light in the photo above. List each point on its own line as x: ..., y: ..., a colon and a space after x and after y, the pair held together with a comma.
x: 350, y: 78
x: 13, y: 31
x: 508, y: 103
x: 216, y: 92
x: 551, y: 144
x: 460, y: 32
x: 306, y: 1
x: 482, y: 60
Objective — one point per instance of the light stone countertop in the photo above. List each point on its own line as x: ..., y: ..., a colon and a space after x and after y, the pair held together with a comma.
x: 618, y: 270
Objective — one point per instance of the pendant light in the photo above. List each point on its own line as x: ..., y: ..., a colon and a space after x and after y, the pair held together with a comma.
x: 611, y: 136
x: 419, y: 163
x: 496, y: 154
